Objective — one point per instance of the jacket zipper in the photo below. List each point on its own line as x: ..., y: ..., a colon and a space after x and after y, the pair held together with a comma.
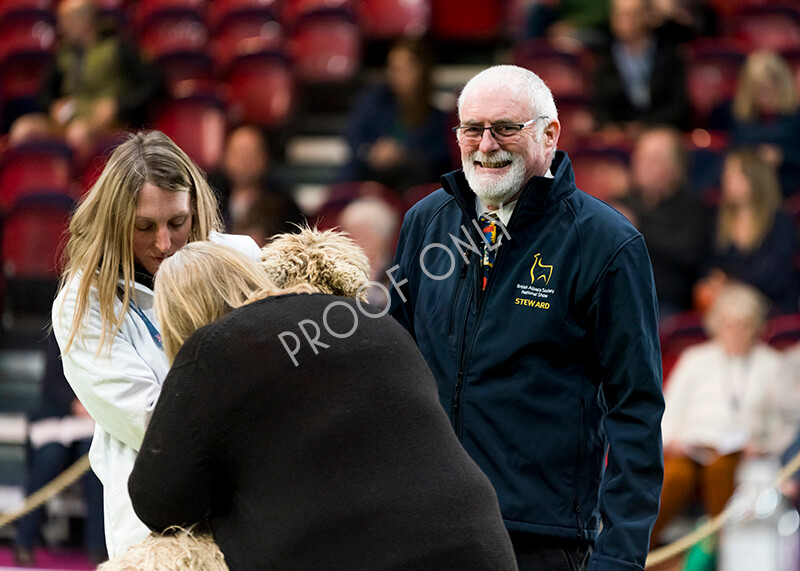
x: 461, y: 364
x: 462, y: 273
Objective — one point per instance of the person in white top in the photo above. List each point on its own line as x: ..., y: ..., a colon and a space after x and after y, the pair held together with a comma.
x: 722, y: 403
x: 150, y: 200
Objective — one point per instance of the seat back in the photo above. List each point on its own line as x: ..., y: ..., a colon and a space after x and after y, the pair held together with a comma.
x: 23, y: 30
x: 197, y: 124
x: 31, y: 168
x: 326, y: 48
x: 262, y: 89
x: 389, y: 19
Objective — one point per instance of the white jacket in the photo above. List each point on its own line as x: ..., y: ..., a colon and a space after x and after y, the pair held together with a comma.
x: 723, y: 402
x: 119, y: 387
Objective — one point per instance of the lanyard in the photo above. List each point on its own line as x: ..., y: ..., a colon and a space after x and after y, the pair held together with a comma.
x: 149, y: 324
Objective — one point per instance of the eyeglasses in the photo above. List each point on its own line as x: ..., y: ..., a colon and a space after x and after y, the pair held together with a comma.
x: 501, y: 131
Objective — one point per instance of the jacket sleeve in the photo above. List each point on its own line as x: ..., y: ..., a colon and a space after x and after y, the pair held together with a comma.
x: 118, y: 387
x: 171, y: 480
x: 624, y: 318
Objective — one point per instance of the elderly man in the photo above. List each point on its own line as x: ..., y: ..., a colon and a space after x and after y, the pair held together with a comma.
x: 534, y: 306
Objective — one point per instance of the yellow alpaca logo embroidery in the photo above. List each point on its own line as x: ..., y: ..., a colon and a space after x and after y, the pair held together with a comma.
x: 540, y: 271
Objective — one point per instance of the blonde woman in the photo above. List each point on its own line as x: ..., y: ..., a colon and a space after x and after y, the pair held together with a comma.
x: 149, y: 201
x: 766, y: 115
x: 330, y: 454
x: 755, y: 240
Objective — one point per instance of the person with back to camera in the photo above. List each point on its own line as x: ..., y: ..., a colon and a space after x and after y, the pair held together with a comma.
x: 543, y: 336
x: 336, y: 457
x: 149, y: 201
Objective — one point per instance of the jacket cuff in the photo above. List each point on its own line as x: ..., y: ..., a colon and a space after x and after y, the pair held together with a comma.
x: 606, y: 563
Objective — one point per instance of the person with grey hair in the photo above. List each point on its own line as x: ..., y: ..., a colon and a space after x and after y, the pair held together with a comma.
x: 535, y: 308
x: 723, y: 404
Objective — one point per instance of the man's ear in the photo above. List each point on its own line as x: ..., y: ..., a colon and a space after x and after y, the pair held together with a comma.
x: 551, y: 134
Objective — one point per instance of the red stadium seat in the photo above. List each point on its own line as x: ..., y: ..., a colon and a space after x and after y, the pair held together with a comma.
x: 712, y: 74
x: 22, y: 73
x: 326, y: 48
x: 563, y: 72
x: 388, y: 19
x: 178, y: 68
x: 32, y: 30
x: 295, y: 10
x: 466, y: 19
x: 772, y: 26
x: 197, y: 124
x: 677, y: 332
x: 33, y: 235
x: 169, y: 32
x: 9, y: 6
x: 782, y: 331
x: 222, y: 9
x: 601, y: 172
x: 33, y: 168
x: 246, y: 32
x: 575, y: 116
x: 145, y: 9
x: 262, y: 89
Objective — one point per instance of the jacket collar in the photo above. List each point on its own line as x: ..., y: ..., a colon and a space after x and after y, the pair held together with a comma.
x: 538, y: 194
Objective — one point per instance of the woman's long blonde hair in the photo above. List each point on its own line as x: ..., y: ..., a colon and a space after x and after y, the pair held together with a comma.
x: 761, y: 67
x: 202, y: 282
x: 100, y: 247
x: 765, y: 200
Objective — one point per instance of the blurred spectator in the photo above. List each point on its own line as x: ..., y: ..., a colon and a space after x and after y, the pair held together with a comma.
x: 396, y: 136
x: 672, y: 219
x: 679, y: 21
x: 721, y: 404
x: 639, y: 79
x: 244, y: 178
x: 766, y: 116
x: 60, y: 433
x: 571, y: 24
x: 373, y: 225
x: 97, y: 83
x: 791, y: 488
x: 272, y: 213
x: 755, y: 240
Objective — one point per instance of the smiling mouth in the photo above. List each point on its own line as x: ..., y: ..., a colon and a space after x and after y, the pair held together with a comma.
x: 493, y: 164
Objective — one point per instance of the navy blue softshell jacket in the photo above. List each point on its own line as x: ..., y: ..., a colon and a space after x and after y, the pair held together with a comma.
x: 555, y: 362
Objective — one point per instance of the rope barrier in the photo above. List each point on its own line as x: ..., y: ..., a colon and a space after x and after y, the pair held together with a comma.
x: 81, y: 466
x: 713, y: 526
x: 56, y: 485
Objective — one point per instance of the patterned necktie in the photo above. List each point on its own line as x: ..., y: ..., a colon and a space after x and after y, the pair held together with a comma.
x: 489, y: 226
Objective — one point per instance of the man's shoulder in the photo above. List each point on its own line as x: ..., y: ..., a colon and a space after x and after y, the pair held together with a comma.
x: 599, y: 219
x: 436, y: 204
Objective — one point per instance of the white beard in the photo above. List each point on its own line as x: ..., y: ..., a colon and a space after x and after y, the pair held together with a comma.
x: 493, y: 188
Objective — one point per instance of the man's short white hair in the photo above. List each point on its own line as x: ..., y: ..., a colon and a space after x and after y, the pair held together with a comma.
x: 521, y: 81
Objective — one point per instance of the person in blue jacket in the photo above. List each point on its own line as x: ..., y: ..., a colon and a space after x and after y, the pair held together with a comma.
x: 534, y: 306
